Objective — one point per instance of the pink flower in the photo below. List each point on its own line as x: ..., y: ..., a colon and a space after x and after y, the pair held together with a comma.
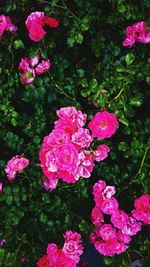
x: 84, y: 165
x: 101, y: 152
x: 72, y: 248
x: 103, y: 125
x: 109, y: 191
x: 16, y: 164
x: 43, y: 67
x: 6, y: 25
x: 28, y: 77
x: 24, y: 64
x: 36, y: 33
x: 97, y: 217
x: 51, y: 182
x: 136, y: 33
x: 35, y: 23
x: 119, y: 218
x: 142, y: 209
x: 107, y: 232
x: 82, y: 138
x: 35, y: 18
x: 72, y: 114
x: 2, y: 243
x: 132, y: 227
x: 123, y: 238
x: 67, y: 156
x: 109, y: 206
x: 52, y: 253
x: 68, y: 126
x: 1, y: 188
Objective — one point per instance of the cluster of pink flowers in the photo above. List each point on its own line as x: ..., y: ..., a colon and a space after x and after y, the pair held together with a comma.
x: 6, y: 25
x: 114, y: 237
x: 136, y: 33
x: 31, y: 67
x: 16, y: 164
x: 67, y: 256
x: 35, y: 23
x: 65, y: 152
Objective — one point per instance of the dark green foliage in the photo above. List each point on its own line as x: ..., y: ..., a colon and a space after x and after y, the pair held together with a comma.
x: 87, y: 57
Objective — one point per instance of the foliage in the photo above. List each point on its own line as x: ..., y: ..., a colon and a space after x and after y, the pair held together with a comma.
x: 87, y: 57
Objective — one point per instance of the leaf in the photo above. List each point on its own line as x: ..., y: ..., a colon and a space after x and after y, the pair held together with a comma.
x: 129, y: 58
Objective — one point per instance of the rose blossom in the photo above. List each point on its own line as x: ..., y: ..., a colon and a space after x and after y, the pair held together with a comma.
x: 67, y: 156
x: 103, y: 125
x: 52, y: 253
x: 6, y: 25
x: 43, y: 262
x: 51, y: 182
x: 43, y: 67
x: 107, y: 232
x: 109, y: 191
x: 97, y: 217
x: 101, y: 152
x: 109, y: 206
x: 16, y: 164
x: 142, y: 209
x: 119, y: 218
x: 71, y: 113
x: 82, y: 138
x: 36, y: 32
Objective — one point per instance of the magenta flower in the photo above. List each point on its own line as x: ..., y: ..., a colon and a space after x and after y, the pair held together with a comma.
x: 1, y: 187
x: 101, y: 152
x: 16, y: 164
x: 6, y: 25
x: 103, y: 125
x: 35, y: 23
x: 136, y: 33
x: 142, y: 209
x: 119, y: 218
x: 30, y: 67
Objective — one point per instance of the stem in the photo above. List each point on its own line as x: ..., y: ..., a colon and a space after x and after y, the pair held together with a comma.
x: 117, y: 96
x: 60, y: 88
x: 130, y: 262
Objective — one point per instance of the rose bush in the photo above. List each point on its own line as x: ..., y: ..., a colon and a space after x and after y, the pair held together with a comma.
x: 94, y: 56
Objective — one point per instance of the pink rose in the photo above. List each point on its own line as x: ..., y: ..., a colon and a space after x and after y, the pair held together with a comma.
x: 67, y: 156
x: 82, y: 138
x: 97, y: 217
x: 43, y: 67
x: 142, y: 209
x: 36, y: 33
x: 103, y: 125
x: 52, y: 253
x: 119, y: 218
x: 50, y: 183
x: 101, y: 152
x: 16, y: 164
x: 107, y: 232
x: 109, y: 191
x: 109, y: 206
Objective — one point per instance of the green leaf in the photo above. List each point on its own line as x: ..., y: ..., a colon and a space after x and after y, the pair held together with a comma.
x: 129, y: 58
x: 18, y: 44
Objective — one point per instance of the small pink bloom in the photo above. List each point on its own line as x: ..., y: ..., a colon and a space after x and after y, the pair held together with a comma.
x: 28, y: 77
x: 101, y: 152
x: 35, y: 18
x: 1, y: 188
x: 2, y: 243
x: 71, y: 113
x: 109, y: 206
x: 72, y: 248
x: 82, y: 138
x: 97, y: 217
x: 103, y: 125
x: 142, y: 209
x: 123, y: 238
x: 52, y: 253
x: 132, y: 227
x: 16, y: 164
x: 36, y: 33
x: 119, y: 218
x: 84, y: 165
x: 107, y: 232
x: 51, y: 182
x: 67, y: 156
x: 24, y: 64
x: 109, y: 191
x: 6, y: 25
x: 43, y: 67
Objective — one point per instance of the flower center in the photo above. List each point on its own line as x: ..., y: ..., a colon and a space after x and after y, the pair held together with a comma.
x: 103, y: 124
